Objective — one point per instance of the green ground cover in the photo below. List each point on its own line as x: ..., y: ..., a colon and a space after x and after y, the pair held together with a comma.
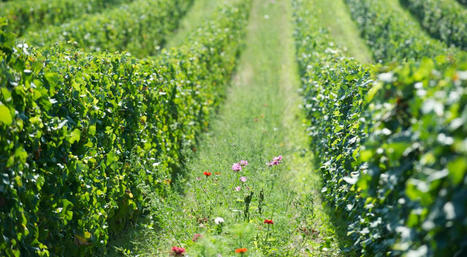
x: 80, y: 132
x: 334, y: 16
x: 290, y: 141
x: 259, y: 120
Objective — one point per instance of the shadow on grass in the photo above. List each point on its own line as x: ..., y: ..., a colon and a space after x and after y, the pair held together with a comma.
x: 339, y: 222
x: 123, y: 244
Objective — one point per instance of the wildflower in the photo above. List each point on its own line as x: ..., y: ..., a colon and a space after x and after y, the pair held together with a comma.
x: 196, y: 237
x: 236, y: 167
x: 238, y: 188
x: 276, y: 161
x: 217, y: 173
x: 243, y: 179
x: 178, y: 251
x: 266, y: 221
x: 241, y: 250
x: 207, y: 174
x: 218, y: 220
x: 243, y: 163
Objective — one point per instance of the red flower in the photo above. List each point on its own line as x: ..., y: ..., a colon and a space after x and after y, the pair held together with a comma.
x: 178, y: 251
x: 241, y: 250
x: 207, y: 174
x: 268, y: 222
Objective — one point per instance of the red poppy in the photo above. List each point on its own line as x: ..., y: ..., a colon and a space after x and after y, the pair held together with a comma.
x: 241, y: 250
x: 207, y: 174
x: 178, y: 251
x: 268, y: 222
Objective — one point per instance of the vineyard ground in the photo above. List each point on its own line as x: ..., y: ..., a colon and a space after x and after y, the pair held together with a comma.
x: 199, y: 11
x: 259, y: 119
x: 335, y: 16
x: 395, y: 7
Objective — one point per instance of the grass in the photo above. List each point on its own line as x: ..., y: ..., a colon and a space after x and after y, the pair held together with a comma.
x: 395, y: 6
x: 335, y: 16
x: 260, y: 119
x: 194, y: 19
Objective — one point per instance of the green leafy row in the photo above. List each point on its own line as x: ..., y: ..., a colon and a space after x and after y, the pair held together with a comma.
x: 390, y: 35
x: 445, y: 20
x: 390, y: 144
x: 139, y: 28
x: 334, y: 89
x: 34, y: 14
x: 416, y: 157
x: 79, y: 132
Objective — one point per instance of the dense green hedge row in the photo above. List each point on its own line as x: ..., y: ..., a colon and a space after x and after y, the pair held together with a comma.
x: 35, y: 14
x: 416, y: 157
x: 391, y: 36
x: 80, y: 132
x: 391, y: 147
x: 334, y: 89
x: 139, y: 28
x: 445, y: 20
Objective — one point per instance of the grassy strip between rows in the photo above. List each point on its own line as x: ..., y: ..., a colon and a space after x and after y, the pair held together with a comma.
x: 193, y: 19
x: 390, y: 34
x: 80, y: 132
x: 224, y: 208
x: 34, y: 14
x: 139, y: 27
x: 445, y: 20
x: 335, y: 17
x: 391, y: 144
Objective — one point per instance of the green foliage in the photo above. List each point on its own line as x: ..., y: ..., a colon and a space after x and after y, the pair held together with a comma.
x: 391, y: 147
x: 334, y: 88
x: 257, y: 121
x: 135, y: 27
x: 390, y: 35
x: 85, y: 129
x: 446, y: 20
x: 34, y: 14
x: 416, y: 157
x: 464, y: 2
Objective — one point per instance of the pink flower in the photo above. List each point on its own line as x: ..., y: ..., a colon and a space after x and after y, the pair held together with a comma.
x: 276, y: 161
x: 243, y: 179
x: 238, y: 188
x: 196, y: 237
x: 236, y: 167
x: 243, y: 163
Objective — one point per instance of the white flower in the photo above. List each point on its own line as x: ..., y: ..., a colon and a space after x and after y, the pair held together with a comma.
x: 218, y: 220
x: 386, y: 77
